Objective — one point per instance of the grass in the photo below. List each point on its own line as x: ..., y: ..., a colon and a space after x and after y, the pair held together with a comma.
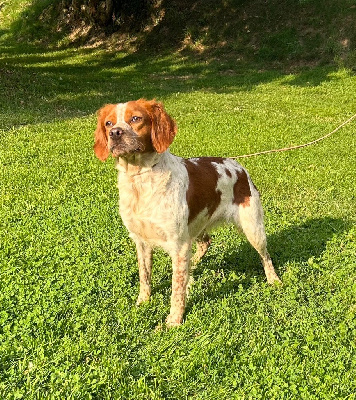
x: 69, y: 327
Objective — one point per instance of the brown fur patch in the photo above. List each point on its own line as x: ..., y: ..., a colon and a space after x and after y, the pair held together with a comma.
x: 202, y: 193
x: 164, y: 127
x: 140, y: 108
x: 242, y: 191
x: 100, y: 135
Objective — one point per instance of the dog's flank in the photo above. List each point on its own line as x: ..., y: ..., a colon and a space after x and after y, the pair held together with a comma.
x: 171, y: 202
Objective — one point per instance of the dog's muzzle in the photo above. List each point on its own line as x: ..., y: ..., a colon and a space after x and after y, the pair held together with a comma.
x: 122, y: 141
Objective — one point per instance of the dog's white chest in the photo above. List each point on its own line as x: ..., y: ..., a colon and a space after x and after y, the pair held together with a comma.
x: 142, y: 205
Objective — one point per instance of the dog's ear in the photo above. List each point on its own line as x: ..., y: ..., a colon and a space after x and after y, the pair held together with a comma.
x: 101, y: 141
x: 164, y: 128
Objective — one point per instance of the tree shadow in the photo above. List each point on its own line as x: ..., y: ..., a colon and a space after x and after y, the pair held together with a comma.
x: 295, y: 244
x: 40, y: 86
x: 309, y: 77
x: 212, y: 46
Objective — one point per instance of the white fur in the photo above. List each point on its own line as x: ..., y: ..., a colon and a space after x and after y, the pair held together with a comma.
x: 148, y: 200
x: 120, y: 112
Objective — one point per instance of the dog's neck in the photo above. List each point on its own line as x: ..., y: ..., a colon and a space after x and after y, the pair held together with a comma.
x: 138, y: 163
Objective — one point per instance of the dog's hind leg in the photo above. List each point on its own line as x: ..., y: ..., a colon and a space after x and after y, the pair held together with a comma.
x: 203, y: 242
x: 250, y: 220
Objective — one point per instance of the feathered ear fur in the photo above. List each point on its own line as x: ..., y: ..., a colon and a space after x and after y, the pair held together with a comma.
x: 101, y: 141
x: 164, y: 127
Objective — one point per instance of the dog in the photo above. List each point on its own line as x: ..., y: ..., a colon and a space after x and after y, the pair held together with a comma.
x: 171, y: 202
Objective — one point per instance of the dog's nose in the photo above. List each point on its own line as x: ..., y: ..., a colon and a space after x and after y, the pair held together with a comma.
x: 116, y: 132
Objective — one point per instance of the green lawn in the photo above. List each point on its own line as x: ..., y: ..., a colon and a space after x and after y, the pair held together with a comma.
x: 69, y: 327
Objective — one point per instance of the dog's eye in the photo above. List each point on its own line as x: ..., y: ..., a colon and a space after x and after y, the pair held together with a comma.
x: 109, y: 123
x: 136, y: 119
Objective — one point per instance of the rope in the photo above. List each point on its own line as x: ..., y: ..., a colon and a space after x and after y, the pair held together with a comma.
x: 298, y: 146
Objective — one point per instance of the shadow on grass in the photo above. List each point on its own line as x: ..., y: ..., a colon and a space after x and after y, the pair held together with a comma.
x: 213, y: 37
x: 295, y: 244
x: 40, y: 86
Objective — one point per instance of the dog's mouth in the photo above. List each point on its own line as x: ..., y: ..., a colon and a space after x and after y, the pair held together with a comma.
x: 117, y: 152
x: 126, y: 146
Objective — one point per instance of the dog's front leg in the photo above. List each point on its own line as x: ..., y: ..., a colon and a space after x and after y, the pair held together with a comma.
x: 144, y: 258
x: 180, y: 262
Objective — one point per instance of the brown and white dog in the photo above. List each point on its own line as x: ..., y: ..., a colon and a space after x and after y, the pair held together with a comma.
x: 171, y: 202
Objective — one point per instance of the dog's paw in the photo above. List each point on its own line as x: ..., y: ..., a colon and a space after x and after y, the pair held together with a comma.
x: 173, y: 320
x: 273, y: 279
x: 142, y: 298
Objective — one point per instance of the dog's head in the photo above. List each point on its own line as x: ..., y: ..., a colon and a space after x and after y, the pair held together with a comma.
x: 139, y: 126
